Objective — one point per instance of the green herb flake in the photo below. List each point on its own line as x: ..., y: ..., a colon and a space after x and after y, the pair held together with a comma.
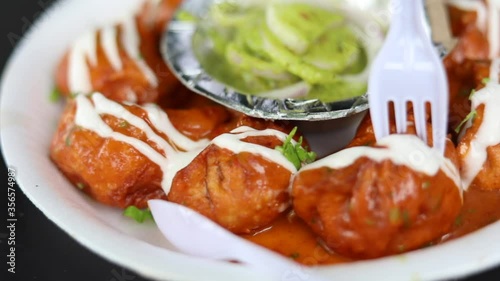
x: 294, y: 256
x: 369, y: 222
x: 401, y: 248
x: 137, y: 214
x: 80, y: 185
x: 429, y: 244
x: 186, y: 16
x: 123, y: 124
x: 296, y: 154
x: 426, y: 184
x: 55, y: 96
x: 459, y: 221
x: 471, y: 116
x: 472, y: 93
x: 406, y: 218
x: 394, y: 215
x: 68, y: 140
x: 485, y: 80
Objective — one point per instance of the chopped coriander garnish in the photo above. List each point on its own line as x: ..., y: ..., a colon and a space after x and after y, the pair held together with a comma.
x: 471, y: 211
x: 394, y: 215
x: 123, y: 124
x: 67, y: 141
x: 137, y: 214
x: 485, y: 80
x: 426, y: 184
x: 55, y: 95
x: 472, y: 93
x: 459, y: 220
x: 401, y: 247
x: 471, y: 116
x: 369, y: 221
x: 184, y: 15
x: 296, y: 153
x: 295, y: 256
x: 406, y: 218
x: 80, y: 185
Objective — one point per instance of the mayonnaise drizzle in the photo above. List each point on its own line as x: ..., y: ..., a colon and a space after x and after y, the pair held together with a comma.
x: 233, y: 142
x: 78, y: 75
x: 488, y: 133
x: 131, y: 43
x: 488, y: 20
x: 85, y: 48
x: 495, y: 71
x: 407, y: 150
x: 88, y: 116
x: 108, y: 41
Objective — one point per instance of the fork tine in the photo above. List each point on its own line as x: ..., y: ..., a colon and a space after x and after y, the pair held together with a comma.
x: 420, y: 122
x: 380, y: 118
x: 400, y: 116
x: 439, y: 123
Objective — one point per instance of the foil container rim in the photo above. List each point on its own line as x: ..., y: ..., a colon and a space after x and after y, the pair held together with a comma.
x: 177, y: 51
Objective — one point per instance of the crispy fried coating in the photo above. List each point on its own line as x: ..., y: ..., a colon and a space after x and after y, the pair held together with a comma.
x: 114, y: 172
x: 489, y: 176
x: 371, y: 209
x: 130, y: 82
x: 242, y: 192
x: 365, y: 134
x: 467, y: 64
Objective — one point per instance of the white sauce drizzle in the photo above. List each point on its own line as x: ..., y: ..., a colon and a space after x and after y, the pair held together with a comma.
x: 161, y: 121
x: 88, y: 116
x: 473, y: 6
x: 86, y: 48
x: 495, y: 71
x: 488, y: 133
x: 131, y: 43
x: 407, y: 150
x: 78, y: 75
x: 110, y: 46
x: 131, y: 96
x: 488, y: 20
x: 233, y: 143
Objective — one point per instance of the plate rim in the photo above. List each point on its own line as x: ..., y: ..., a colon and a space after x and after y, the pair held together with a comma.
x: 225, y: 270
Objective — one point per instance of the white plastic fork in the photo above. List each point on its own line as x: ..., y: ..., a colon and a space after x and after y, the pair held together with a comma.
x: 408, y: 69
x: 196, y: 235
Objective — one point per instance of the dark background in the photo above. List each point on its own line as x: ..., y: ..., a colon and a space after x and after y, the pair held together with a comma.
x: 43, y: 251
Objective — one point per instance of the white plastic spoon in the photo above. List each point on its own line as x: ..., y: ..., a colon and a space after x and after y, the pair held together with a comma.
x: 197, y: 235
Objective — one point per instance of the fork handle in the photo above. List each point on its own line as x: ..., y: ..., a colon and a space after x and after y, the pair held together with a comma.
x: 408, y: 17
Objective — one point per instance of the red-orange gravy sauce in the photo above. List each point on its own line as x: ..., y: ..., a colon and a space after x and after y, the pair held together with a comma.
x: 291, y: 237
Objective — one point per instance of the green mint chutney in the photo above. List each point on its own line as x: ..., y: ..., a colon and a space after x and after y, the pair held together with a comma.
x: 259, y: 49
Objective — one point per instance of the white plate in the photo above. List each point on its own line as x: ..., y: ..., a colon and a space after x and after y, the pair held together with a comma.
x: 28, y: 121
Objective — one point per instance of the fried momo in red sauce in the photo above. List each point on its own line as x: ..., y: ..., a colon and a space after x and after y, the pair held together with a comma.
x: 239, y: 181
x: 475, y: 24
x: 116, y: 156
x: 122, y: 61
x: 368, y: 202
x: 479, y: 147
